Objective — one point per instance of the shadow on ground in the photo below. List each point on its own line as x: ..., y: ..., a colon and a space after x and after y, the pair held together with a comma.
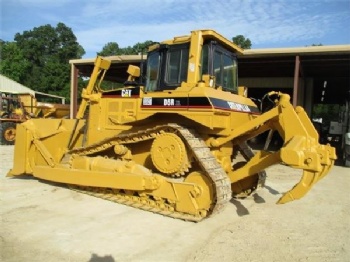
x: 97, y: 258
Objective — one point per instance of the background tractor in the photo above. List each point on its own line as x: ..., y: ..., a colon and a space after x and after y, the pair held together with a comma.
x: 16, y: 108
x: 11, y: 113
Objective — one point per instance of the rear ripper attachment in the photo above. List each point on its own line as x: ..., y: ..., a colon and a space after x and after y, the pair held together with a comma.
x: 300, y: 149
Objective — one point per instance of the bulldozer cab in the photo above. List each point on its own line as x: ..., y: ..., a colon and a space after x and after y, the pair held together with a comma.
x: 169, y: 64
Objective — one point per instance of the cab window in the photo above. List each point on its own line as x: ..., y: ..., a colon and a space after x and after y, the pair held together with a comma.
x: 205, y: 60
x: 176, y: 66
x: 153, y: 62
x: 225, y: 70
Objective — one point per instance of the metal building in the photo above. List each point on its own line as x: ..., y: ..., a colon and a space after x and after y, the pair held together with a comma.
x: 8, y: 85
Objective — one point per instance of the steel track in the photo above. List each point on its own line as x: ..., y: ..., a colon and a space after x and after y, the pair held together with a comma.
x: 202, y: 154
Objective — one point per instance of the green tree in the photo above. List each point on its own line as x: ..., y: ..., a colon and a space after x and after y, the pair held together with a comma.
x: 242, y: 42
x: 13, y: 63
x: 328, y: 112
x: 142, y: 47
x: 315, y: 45
x: 48, y: 51
x: 112, y: 48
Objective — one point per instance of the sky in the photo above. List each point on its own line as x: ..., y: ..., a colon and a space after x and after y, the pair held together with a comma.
x: 267, y: 23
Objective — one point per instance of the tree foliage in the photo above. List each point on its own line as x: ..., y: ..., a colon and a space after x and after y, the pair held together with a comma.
x: 13, y: 63
x: 315, y: 45
x: 39, y: 58
x: 242, y: 42
x: 328, y: 112
x: 112, y: 48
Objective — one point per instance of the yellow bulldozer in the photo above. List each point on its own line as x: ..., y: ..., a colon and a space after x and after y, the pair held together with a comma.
x: 167, y: 144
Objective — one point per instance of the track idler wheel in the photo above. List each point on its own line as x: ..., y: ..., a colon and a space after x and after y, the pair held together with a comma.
x: 204, y: 196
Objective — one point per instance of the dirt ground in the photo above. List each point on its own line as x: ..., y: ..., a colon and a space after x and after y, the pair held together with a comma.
x: 46, y: 222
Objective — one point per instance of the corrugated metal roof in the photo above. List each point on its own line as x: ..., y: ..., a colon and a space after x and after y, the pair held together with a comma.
x: 310, y: 50
x: 114, y: 59
x: 9, y: 86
